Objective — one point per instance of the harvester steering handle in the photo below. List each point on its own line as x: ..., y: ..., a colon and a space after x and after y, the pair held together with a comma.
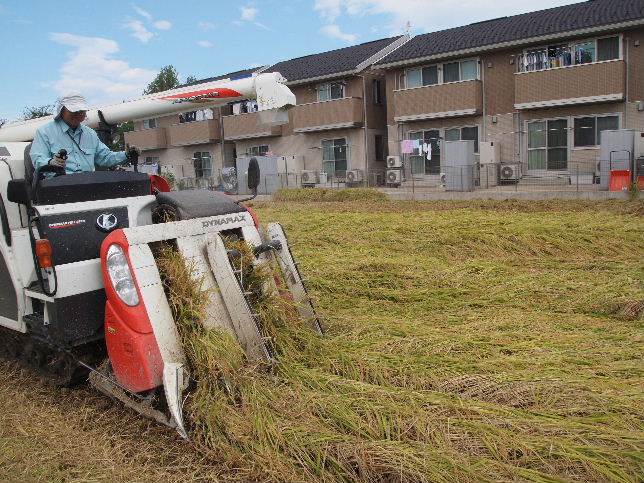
x: 38, y: 176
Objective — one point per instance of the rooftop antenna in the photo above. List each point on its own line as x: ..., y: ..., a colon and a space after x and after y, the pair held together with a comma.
x: 407, y: 28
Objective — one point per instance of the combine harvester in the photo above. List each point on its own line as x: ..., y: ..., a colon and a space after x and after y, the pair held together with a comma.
x: 80, y: 291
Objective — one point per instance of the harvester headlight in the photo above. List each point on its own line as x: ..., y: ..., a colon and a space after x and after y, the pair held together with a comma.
x: 121, y: 275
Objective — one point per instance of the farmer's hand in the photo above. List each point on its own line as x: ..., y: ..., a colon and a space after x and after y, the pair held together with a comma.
x: 132, y: 153
x: 59, y: 159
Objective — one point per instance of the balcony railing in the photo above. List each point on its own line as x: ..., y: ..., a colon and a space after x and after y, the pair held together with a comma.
x: 334, y: 114
x: 198, y: 132
x: 248, y: 126
x: 570, y: 85
x: 147, y: 139
x: 438, y: 101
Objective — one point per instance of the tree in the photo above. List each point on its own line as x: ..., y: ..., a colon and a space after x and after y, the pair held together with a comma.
x: 118, y: 142
x: 166, y: 79
x: 191, y: 79
x: 2, y: 122
x: 37, y: 111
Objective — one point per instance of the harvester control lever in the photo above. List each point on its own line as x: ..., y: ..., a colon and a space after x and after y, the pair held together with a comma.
x: 265, y: 247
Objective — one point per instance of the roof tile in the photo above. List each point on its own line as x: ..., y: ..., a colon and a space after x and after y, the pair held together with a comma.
x: 592, y: 13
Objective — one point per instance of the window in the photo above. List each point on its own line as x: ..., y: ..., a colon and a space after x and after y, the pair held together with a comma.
x: 430, y: 75
x: 379, y: 147
x: 608, y: 48
x: 149, y: 123
x: 203, y: 165
x: 187, y: 117
x: 258, y: 150
x: 458, y: 71
x: 201, y: 115
x: 451, y: 72
x: 588, y: 129
x: 469, y: 70
x: 423, y: 162
x: 470, y: 133
x: 332, y: 90
x: 152, y: 160
x: 563, y: 55
x: 548, y: 144
x: 585, y: 52
x: 376, y: 88
x: 334, y: 156
x: 414, y: 78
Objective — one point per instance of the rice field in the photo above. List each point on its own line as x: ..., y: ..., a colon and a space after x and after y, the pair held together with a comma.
x: 466, y: 341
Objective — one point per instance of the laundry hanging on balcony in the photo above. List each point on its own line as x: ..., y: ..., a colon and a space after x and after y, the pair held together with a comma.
x: 407, y: 146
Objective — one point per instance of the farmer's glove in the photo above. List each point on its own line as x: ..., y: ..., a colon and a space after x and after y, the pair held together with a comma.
x: 132, y: 154
x: 59, y: 159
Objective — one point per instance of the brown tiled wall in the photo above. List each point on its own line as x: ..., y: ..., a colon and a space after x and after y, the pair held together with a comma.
x: 571, y: 82
x: 636, y: 64
x: 327, y: 113
x: 193, y: 132
x: 502, y: 132
x: 247, y: 125
x: 498, y: 77
x: 376, y: 113
x: 147, y: 138
x: 439, y: 98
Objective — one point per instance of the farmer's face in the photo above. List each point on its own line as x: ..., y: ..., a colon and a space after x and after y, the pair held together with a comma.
x: 73, y: 119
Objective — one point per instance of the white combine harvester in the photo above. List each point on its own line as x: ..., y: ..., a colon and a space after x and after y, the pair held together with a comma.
x: 80, y: 291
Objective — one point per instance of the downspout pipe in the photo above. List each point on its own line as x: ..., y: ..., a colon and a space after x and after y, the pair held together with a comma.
x: 364, y: 126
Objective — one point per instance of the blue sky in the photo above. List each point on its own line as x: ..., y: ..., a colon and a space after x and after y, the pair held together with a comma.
x: 110, y: 50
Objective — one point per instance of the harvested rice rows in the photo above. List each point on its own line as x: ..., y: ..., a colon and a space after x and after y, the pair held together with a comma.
x: 466, y: 342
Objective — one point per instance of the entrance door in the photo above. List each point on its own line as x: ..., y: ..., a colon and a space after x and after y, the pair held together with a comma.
x: 547, y: 146
x: 420, y: 165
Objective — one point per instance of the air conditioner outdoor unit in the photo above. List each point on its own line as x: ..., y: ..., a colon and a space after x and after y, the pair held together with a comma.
x: 510, y: 172
x: 489, y: 152
x: 394, y: 177
x: 354, y: 176
x: 394, y: 162
x: 309, y: 177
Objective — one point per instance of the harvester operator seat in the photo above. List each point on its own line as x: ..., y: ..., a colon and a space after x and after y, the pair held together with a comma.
x: 29, y: 166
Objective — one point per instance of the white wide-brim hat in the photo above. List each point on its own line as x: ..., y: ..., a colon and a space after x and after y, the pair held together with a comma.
x: 73, y: 102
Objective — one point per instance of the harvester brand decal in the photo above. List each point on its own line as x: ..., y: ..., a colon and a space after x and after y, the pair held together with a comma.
x: 65, y: 224
x: 107, y: 222
x: 202, y: 95
x: 223, y: 221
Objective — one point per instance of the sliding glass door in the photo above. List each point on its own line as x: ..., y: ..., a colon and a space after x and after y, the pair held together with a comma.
x: 548, y: 145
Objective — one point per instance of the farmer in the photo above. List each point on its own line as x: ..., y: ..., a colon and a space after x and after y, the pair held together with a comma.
x: 84, y: 150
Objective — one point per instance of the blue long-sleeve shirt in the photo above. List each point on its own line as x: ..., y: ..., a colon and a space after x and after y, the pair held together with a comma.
x: 84, y: 149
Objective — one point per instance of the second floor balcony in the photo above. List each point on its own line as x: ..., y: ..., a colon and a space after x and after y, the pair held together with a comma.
x: 570, y: 84
x: 147, y: 139
x: 197, y: 132
x: 438, y: 101
x: 324, y: 115
x: 248, y: 126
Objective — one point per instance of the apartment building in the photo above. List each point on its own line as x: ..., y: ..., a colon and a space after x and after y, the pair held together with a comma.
x: 339, y: 122
x: 189, y: 145
x: 542, y: 85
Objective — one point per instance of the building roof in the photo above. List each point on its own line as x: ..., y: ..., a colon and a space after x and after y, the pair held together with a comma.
x: 569, y: 18
x: 238, y: 74
x: 327, y: 64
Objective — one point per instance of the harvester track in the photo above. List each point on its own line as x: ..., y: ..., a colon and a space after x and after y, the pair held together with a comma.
x: 56, y: 365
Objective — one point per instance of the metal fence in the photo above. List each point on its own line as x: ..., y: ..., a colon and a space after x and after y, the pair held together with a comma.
x: 501, y: 177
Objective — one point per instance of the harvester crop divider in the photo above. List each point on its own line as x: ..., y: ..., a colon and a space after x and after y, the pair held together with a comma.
x: 294, y: 281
